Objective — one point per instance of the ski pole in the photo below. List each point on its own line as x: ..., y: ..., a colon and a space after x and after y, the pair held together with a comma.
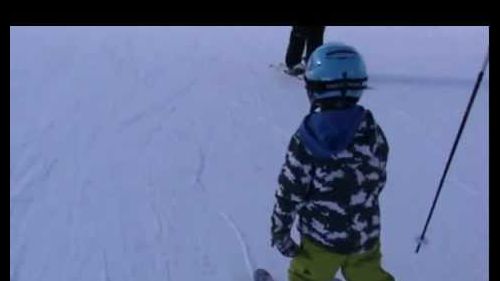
x: 455, y: 144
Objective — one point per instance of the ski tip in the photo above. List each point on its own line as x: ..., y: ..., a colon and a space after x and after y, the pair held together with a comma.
x: 261, y: 274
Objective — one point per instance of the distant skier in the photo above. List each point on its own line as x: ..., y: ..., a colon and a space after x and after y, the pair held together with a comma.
x: 300, y: 37
x: 334, y: 171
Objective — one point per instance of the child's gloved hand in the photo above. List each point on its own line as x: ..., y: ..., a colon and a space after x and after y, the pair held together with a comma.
x: 287, y: 247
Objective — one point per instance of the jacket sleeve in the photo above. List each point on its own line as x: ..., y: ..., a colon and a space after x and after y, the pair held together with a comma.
x: 381, y: 152
x: 381, y: 147
x: 294, y: 181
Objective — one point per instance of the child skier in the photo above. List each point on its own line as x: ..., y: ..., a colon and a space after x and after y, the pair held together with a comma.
x: 332, y: 177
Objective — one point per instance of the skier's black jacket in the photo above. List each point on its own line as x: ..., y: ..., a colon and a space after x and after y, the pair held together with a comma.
x: 334, y: 171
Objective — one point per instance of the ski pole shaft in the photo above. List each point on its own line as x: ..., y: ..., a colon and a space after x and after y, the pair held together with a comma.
x: 452, y: 153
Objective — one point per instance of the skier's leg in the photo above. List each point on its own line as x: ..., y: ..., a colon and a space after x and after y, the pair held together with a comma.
x: 314, y: 39
x: 295, y: 46
x: 314, y: 263
x: 366, y: 267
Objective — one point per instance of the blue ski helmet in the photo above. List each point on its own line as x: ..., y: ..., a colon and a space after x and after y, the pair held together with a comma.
x: 335, y: 71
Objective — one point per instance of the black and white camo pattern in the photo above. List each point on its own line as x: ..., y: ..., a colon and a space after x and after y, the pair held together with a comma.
x: 336, y: 198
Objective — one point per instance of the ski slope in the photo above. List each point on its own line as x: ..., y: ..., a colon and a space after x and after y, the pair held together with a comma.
x: 152, y: 153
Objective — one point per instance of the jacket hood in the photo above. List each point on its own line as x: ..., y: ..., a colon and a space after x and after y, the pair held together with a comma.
x: 329, y: 132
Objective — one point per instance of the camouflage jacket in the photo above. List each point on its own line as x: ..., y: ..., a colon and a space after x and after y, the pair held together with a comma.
x: 333, y: 174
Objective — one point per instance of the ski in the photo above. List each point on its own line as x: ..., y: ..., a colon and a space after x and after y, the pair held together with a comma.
x: 282, y: 67
x: 261, y: 274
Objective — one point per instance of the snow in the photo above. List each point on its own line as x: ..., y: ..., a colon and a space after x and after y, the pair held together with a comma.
x: 152, y: 153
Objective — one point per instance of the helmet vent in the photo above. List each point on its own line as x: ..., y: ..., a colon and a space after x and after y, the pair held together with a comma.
x: 340, y: 54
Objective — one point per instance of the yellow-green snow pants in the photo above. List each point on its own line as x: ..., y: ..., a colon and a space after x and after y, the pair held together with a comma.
x: 314, y: 263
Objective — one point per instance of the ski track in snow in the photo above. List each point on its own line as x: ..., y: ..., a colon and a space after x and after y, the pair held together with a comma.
x: 198, y: 181
x: 105, y: 267
x: 26, y: 169
x: 243, y: 245
x: 19, y: 262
